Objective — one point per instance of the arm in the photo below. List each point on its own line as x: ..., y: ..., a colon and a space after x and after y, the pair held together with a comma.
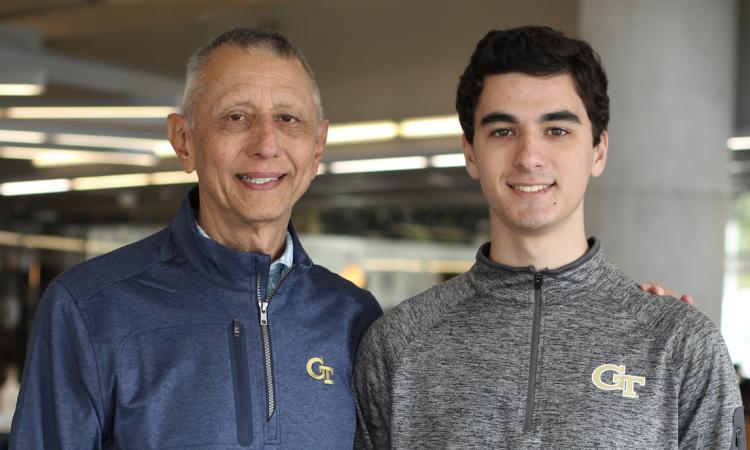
x: 371, y: 382
x: 59, y: 405
x: 709, y: 395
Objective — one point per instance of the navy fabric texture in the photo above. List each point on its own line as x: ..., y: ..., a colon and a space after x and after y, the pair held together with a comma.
x: 150, y: 346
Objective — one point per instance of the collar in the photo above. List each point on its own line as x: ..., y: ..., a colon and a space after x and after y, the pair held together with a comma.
x: 591, y: 272
x: 225, y: 266
x: 286, y: 258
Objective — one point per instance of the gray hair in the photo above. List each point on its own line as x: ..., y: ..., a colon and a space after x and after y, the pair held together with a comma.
x: 247, y: 38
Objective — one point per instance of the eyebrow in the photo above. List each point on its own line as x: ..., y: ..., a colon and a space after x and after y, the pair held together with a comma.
x: 561, y: 115
x: 498, y: 117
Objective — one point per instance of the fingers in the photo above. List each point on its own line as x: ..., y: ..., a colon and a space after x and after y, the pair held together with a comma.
x: 687, y: 299
x: 657, y: 289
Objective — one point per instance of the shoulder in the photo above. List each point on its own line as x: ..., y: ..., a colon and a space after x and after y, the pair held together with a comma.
x: 682, y: 328
x: 91, y: 276
x: 336, y: 287
x: 396, y: 329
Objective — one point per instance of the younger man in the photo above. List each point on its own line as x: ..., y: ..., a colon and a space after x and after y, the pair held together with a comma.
x: 544, y: 343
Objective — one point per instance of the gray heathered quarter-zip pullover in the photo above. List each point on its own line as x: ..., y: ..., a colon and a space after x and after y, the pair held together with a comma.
x: 573, y: 358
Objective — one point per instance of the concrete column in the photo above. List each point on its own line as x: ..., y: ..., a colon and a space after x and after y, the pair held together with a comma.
x: 660, y: 207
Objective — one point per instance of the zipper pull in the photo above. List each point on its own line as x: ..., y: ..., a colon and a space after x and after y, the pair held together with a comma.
x: 263, y: 312
x: 236, y: 328
x: 537, y: 280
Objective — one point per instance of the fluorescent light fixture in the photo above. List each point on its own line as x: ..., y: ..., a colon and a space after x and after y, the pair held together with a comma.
x: 415, y: 265
x: 10, y: 238
x: 739, y: 143
x: 393, y: 265
x: 65, y: 244
x: 378, y: 165
x: 21, y: 89
x: 448, y: 266
x: 52, y: 157
x: 163, y: 149
x: 98, y: 141
x: 426, y: 127
x: 449, y: 160
x: 175, y: 177
x: 110, y: 181
x: 88, y: 112
x: 362, y: 132
x: 34, y: 187
x: 22, y: 137
x: 322, y: 169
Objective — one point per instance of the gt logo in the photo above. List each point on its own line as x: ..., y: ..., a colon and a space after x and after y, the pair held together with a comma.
x: 318, y: 371
x: 620, y: 381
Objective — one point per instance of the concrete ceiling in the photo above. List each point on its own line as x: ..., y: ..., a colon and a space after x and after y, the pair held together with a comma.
x: 373, y: 60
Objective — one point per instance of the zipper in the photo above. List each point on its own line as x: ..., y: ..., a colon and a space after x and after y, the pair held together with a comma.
x: 266, y: 338
x: 535, y: 330
x: 241, y: 376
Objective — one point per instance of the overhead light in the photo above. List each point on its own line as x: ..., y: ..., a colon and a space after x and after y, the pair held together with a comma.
x: 173, y: 177
x: 88, y: 112
x: 110, y: 181
x: 21, y: 89
x: 34, y: 187
x: 449, y: 160
x: 415, y: 265
x: 120, y: 142
x: 739, y: 143
x: 321, y: 169
x: 164, y: 149
x: 362, y: 132
x: 51, y: 157
x: 21, y: 82
x: 378, y: 164
x: 100, y: 182
x: 425, y: 127
x: 22, y: 137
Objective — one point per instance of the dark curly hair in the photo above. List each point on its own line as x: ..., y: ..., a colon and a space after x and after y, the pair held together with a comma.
x: 537, y: 51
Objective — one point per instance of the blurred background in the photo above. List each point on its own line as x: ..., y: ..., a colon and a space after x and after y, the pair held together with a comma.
x: 85, y: 86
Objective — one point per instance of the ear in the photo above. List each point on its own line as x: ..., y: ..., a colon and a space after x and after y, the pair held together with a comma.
x: 600, y: 155
x: 322, y: 139
x: 320, y: 145
x: 471, y: 162
x: 178, y: 131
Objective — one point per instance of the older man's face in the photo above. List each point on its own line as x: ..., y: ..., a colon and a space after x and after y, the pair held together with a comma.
x: 256, y: 139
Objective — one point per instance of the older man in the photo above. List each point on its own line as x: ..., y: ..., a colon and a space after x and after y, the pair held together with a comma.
x: 218, y: 331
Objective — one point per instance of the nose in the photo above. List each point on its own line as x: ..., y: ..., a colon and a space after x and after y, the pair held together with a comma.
x: 529, y: 152
x: 265, y: 142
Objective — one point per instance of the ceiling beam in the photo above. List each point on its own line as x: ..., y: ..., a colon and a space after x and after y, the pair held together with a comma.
x: 91, y: 75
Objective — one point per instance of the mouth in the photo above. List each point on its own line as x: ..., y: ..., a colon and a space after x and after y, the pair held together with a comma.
x: 259, y: 179
x: 531, y: 188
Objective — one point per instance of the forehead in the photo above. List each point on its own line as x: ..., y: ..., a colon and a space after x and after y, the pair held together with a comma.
x: 521, y: 94
x: 231, y: 71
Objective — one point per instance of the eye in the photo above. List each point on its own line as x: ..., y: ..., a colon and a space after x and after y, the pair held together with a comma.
x: 559, y: 132
x: 502, y: 132
x: 287, y: 118
x: 235, y: 117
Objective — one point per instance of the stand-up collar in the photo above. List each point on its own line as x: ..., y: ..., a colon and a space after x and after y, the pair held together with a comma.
x: 589, y: 272
x: 223, y: 265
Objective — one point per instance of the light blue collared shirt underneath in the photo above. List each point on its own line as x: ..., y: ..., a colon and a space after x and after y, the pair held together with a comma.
x: 278, y: 265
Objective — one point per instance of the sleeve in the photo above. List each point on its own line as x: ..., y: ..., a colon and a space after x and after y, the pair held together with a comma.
x: 709, y: 400
x: 371, y: 383
x: 59, y: 404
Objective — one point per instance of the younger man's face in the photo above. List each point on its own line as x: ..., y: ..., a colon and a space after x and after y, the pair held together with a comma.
x: 533, y: 152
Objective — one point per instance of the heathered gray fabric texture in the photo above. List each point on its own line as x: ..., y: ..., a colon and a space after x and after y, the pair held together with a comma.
x: 449, y: 368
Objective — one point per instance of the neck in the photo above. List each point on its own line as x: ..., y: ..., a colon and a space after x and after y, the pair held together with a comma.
x: 543, y: 249
x: 266, y: 238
